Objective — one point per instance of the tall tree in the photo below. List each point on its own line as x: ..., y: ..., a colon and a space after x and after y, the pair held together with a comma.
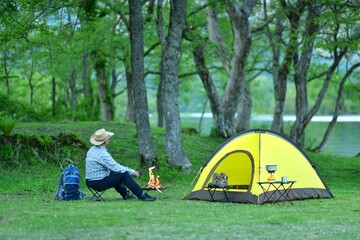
x: 73, y: 93
x: 145, y: 144
x: 217, y: 39
x: 87, y: 87
x: 130, y: 108
x: 216, y: 106
x: 170, y: 82
x: 6, y: 62
x: 199, y: 46
x: 53, y: 80
x: 237, y: 99
x: 103, y: 87
x: 337, y: 108
x: 300, y: 76
x: 281, y: 65
x: 303, y: 113
x: 101, y: 52
x: 87, y: 16
x: 211, y: 91
x: 30, y: 76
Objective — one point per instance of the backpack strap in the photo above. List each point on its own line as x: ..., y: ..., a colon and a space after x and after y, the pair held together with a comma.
x: 60, y: 188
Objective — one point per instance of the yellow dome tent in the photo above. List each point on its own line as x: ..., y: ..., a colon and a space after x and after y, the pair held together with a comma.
x: 244, y: 158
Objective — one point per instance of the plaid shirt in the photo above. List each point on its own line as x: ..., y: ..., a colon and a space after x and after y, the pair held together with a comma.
x: 99, y: 163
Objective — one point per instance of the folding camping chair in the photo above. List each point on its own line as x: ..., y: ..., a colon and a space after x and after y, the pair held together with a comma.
x: 96, y: 194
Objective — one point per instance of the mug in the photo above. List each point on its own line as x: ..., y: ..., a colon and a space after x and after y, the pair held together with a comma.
x: 284, y: 179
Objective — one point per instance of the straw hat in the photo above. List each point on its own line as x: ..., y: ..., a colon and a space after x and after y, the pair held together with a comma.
x: 100, y: 136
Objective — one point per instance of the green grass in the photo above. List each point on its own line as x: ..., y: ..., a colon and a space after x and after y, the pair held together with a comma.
x: 27, y: 210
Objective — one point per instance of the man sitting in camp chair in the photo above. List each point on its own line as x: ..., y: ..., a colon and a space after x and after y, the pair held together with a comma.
x: 103, y: 172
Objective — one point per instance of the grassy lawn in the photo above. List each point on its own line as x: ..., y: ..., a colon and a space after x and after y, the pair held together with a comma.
x: 28, y: 211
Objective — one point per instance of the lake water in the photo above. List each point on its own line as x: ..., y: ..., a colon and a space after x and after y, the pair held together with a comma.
x: 344, y: 139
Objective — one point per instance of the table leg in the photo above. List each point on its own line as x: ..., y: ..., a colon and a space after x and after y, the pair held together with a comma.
x: 269, y: 196
x: 285, y: 193
x: 211, y: 193
x: 224, y: 190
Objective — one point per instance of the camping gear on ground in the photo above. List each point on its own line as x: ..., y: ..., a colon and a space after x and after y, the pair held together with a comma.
x: 244, y: 158
x: 220, y: 180
x: 69, y: 185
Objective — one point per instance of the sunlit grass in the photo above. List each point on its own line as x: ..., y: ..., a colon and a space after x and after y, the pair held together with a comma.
x: 28, y: 211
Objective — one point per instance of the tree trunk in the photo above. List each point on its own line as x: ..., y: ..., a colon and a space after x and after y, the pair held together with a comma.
x: 202, y: 115
x: 103, y: 92
x: 169, y: 74
x: 73, y: 93
x: 145, y: 144
x: 87, y: 15
x: 53, y: 96
x: 160, y: 91
x: 130, y: 109
x: 87, y: 88
x: 281, y: 71
x: 300, y: 78
x: 303, y: 116
x: 279, y: 83
x: 215, y: 104
x: 159, y: 101
x: 7, y: 71
x: 30, y: 79
x: 243, y: 114
x: 53, y: 82
x: 280, y: 74
x: 113, y: 83
x: 236, y: 85
x: 337, y: 108
x: 216, y: 38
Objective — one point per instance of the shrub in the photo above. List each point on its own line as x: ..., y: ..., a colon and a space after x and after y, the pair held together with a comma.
x: 7, y: 124
x: 12, y: 106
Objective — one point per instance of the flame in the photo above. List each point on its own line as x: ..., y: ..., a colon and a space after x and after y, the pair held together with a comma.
x: 153, y: 182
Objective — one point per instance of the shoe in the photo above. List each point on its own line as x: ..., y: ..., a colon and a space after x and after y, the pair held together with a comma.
x: 129, y: 196
x: 145, y: 197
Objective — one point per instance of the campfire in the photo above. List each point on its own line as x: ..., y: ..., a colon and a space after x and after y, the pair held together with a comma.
x: 154, y: 183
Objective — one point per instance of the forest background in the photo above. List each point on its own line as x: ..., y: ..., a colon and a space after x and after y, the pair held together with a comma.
x: 123, y: 61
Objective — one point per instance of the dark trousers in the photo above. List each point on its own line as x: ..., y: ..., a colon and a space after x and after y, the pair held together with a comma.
x: 119, y: 181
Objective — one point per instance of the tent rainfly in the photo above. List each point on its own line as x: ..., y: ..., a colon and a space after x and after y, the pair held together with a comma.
x: 244, y: 158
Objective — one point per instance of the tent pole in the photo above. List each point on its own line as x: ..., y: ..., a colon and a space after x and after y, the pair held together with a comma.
x: 187, y: 190
x: 259, y: 170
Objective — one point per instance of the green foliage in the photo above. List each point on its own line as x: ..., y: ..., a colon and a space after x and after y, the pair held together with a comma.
x: 34, y: 150
x: 7, y: 124
x: 9, y: 105
x: 53, y: 45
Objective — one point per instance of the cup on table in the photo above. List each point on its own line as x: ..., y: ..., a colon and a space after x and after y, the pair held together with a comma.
x: 284, y: 179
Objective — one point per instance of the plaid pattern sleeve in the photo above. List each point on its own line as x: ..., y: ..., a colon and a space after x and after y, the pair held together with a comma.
x: 99, y: 163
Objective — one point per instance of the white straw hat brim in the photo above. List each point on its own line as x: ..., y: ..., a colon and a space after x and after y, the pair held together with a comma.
x: 100, y: 136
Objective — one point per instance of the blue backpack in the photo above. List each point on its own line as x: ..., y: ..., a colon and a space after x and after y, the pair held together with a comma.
x: 69, y: 185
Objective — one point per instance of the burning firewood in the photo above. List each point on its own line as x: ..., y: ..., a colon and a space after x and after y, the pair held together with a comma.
x: 154, y: 183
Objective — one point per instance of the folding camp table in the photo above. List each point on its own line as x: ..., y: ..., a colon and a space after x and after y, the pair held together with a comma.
x: 279, y: 192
